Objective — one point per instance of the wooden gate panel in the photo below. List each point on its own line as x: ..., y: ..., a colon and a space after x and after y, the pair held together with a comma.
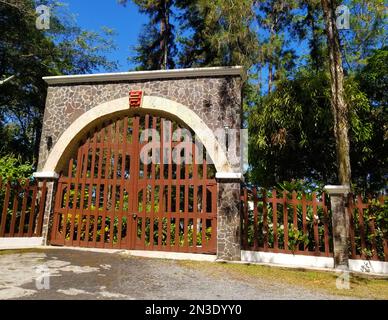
x: 109, y: 198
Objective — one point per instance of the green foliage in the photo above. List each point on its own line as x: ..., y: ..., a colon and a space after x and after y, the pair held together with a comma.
x: 30, y: 54
x: 12, y: 168
x: 291, y: 134
x: 368, y: 31
x: 220, y: 33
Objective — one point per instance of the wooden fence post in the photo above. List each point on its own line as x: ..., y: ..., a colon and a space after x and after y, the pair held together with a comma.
x: 338, y: 196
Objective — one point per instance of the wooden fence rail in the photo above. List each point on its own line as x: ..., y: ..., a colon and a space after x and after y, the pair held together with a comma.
x: 368, y: 228
x: 22, y: 206
x: 301, y: 224
x: 285, y: 223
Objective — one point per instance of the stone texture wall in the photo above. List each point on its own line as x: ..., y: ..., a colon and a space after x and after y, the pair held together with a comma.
x: 228, y: 221
x: 216, y: 100
x: 50, y: 197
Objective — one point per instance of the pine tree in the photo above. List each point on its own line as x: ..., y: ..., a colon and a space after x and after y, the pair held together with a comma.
x: 221, y: 33
x: 156, y: 49
x: 274, y: 17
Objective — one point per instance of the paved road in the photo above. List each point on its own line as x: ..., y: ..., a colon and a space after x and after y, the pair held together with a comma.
x: 91, y: 275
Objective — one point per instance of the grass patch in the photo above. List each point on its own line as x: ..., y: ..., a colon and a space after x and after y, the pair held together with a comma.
x: 364, y: 287
x: 20, y: 251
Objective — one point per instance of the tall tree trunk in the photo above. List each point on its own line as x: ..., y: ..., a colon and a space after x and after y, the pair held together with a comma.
x: 314, y: 43
x: 164, y: 32
x: 271, y: 58
x: 270, y: 77
x: 338, y: 104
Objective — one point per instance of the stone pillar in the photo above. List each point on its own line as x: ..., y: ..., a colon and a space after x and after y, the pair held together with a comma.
x: 51, y: 184
x: 338, y: 196
x: 228, y: 219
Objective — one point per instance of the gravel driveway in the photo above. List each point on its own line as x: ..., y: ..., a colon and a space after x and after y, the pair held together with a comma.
x: 89, y: 275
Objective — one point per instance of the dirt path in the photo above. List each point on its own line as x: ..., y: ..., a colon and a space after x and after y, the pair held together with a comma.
x: 90, y: 275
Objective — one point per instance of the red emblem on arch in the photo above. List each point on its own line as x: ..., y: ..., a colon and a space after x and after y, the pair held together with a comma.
x: 135, y: 98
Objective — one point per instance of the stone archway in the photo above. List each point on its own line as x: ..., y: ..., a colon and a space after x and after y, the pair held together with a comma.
x: 205, y: 99
x: 152, y: 104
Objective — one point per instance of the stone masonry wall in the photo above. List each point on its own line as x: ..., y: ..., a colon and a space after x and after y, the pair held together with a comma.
x: 228, y: 221
x: 216, y: 100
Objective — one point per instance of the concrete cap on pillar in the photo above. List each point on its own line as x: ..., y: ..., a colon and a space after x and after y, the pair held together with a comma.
x: 337, y: 189
x: 229, y: 176
x: 46, y: 175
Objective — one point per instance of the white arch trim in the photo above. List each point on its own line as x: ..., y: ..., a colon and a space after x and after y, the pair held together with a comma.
x: 149, y: 103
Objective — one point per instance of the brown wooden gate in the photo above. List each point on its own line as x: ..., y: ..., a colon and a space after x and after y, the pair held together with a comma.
x: 109, y: 198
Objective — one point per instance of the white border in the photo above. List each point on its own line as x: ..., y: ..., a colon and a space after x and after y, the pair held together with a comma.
x: 290, y: 260
x: 368, y: 266
x: 287, y: 259
x: 172, y: 255
x: 20, y: 243
x: 147, y: 75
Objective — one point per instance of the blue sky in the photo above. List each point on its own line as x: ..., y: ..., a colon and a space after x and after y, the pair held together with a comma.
x: 126, y: 21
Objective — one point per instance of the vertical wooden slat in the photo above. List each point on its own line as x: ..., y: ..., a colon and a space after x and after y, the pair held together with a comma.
x: 361, y: 229
x: 145, y: 188
x: 68, y: 191
x: 85, y: 161
x: 316, y: 218
x: 14, y: 211
x: 295, y: 203
x: 195, y: 197
x: 213, y: 247
x: 275, y: 220
x: 255, y: 220
x: 32, y: 211
x: 42, y: 203
x: 116, y: 142
x: 91, y: 185
x: 350, y: 210
x: 23, y: 211
x: 133, y: 187
x: 169, y: 188
x: 101, y: 151
x: 326, y: 225
x: 122, y: 181
x: 285, y: 220
x: 108, y: 184
x: 178, y: 198
x: 151, y: 183
x: 372, y: 223
x: 5, y: 209
x: 246, y: 221
x: 161, y: 213
x: 75, y: 198
x: 265, y: 220
x: 385, y: 240
x: 57, y: 215
x: 304, y: 218
x: 186, y: 200
x: 204, y: 202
